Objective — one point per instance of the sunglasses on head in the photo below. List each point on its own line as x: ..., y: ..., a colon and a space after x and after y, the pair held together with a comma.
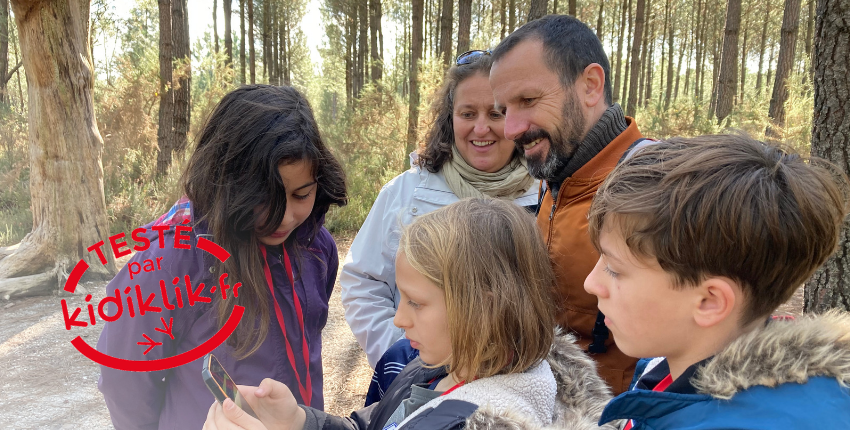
x: 470, y: 57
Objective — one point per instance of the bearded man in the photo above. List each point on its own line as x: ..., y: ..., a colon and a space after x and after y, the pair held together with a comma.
x: 551, y: 79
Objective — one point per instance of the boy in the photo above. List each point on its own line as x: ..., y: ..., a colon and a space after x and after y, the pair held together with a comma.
x: 700, y: 240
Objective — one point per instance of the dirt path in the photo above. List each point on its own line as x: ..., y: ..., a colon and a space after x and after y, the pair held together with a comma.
x: 46, y: 384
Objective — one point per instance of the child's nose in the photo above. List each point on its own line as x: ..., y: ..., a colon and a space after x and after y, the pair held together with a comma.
x: 400, y: 319
x: 595, y: 281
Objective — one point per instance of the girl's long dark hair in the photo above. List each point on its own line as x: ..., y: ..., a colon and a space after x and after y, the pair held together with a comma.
x: 234, y: 170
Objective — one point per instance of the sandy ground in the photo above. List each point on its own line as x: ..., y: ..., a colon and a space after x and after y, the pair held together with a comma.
x: 46, y: 384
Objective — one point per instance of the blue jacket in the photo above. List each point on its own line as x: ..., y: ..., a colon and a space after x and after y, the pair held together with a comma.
x: 786, y: 375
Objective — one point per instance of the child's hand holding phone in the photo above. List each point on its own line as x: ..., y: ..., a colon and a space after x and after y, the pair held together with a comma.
x: 273, y: 403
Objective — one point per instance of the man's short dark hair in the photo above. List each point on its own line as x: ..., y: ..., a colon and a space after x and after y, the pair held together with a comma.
x: 569, y: 46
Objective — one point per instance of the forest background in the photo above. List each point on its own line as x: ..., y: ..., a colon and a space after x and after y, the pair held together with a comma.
x: 682, y: 68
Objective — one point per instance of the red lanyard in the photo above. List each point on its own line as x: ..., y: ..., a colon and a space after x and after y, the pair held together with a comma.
x: 306, y: 392
x: 453, y: 388
x: 660, y: 387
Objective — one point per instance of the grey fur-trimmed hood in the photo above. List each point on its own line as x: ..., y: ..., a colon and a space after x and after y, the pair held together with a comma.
x: 781, y: 352
x: 581, y: 395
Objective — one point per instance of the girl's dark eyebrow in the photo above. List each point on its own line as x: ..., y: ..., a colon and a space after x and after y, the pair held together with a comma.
x: 305, y: 185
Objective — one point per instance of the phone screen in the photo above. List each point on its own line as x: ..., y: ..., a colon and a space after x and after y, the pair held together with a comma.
x: 222, y: 385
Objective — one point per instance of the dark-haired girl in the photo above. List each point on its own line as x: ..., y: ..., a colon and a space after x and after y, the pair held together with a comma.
x: 258, y: 184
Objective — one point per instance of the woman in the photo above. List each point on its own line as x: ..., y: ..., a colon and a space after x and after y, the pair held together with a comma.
x: 466, y: 155
x: 259, y: 185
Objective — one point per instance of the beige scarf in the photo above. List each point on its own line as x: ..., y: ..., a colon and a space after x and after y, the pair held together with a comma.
x: 509, y: 183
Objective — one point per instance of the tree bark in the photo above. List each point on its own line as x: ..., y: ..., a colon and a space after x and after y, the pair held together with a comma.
x: 416, y: 54
x: 4, y: 48
x: 446, y: 32
x: 464, y: 22
x: 635, y: 65
x: 511, y: 16
x: 599, y: 22
x: 165, y: 131
x: 668, y: 95
x: 728, y: 80
x: 65, y: 149
x: 503, y: 20
x: 363, y: 50
x: 829, y: 287
x: 572, y: 7
x: 787, y: 48
x: 215, y: 25
x: 618, y: 72
x: 627, y: 72
x: 537, y: 9
x: 762, y: 47
x: 252, y: 61
x: 377, y: 40
x: 228, y: 37
x: 699, y: 47
x: 183, y: 79
x: 267, y: 46
x: 242, y: 41
x: 744, y: 52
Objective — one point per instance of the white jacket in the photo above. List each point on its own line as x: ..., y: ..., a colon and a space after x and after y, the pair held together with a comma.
x: 530, y: 394
x: 369, y: 292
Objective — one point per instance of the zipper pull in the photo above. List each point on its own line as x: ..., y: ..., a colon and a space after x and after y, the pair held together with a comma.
x: 552, y: 214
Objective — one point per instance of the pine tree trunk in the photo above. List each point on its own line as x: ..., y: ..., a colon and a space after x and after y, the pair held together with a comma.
x: 183, y: 79
x: 242, y: 42
x: 228, y: 38
x: 464, y: 24
x: 618, y: 72
x: 650, y: 65
x: 165, y: 131
x: 215, y: 24
x: 375, y: 34
x: 503, y: 20
x: 770, y: 63
x: 728, y: 80
x: 599, y: 22
x: 829, y: 287
x: 744, y: 55
x: 555, y: 7
x: 511, y: 16
x: 4, y: 49
x: 446, y: 32
x: 416, y: 55
x: 787, y: 48
x: 699, y: 48
x: 252, y: 60
x: 762, y: 45
x: 809, y: 30
x: 363, y: 47
x: 627, y: 71
x: 266, y: 35
x: 65, y: 150
x: 572, y: 7
x: 635, y: 64
x: 715, y: 68
x: 537, y: 9
x: 669, y: 86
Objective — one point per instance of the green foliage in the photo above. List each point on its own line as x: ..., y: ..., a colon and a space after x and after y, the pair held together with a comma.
x: 369, y: 142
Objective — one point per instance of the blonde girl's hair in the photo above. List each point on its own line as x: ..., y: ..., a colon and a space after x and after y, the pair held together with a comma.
x: 489, y: 258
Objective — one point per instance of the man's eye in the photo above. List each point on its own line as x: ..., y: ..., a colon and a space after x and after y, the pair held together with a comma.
x: 528, y: 101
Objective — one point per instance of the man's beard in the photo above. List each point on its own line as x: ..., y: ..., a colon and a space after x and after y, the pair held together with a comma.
x: 563, y: 142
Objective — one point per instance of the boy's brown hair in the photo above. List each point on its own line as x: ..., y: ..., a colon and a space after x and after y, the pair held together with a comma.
x: 490, y: 261
x: 726, y: 205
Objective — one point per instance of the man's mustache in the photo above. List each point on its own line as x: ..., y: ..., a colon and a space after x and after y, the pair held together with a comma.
x: 531, y: 136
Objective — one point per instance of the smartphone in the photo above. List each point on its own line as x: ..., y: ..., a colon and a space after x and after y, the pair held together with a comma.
x: 222, y: 385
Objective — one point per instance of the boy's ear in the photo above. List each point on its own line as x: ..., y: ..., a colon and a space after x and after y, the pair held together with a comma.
x: 718, y: 299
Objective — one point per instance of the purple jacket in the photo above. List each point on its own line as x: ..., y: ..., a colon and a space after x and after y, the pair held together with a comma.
x: 177, y: 398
